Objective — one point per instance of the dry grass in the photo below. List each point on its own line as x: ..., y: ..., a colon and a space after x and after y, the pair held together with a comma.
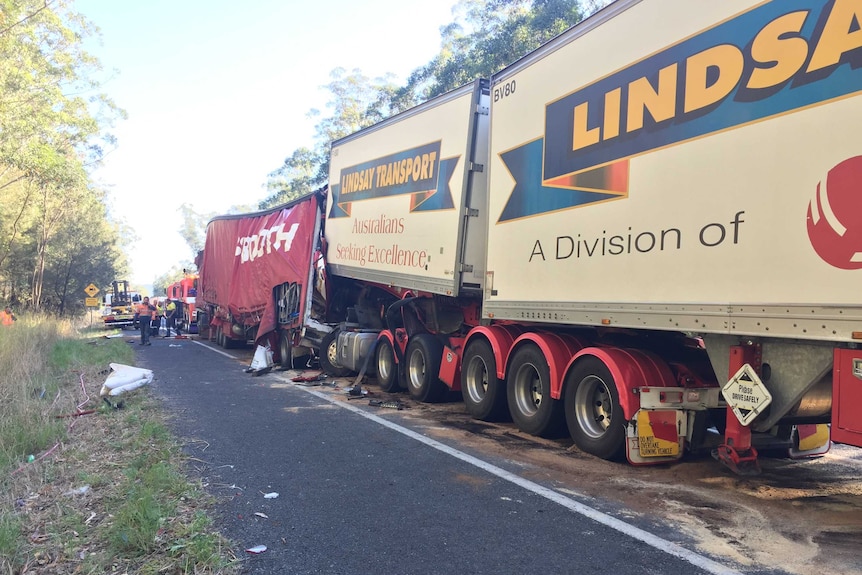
x: 106, y: 492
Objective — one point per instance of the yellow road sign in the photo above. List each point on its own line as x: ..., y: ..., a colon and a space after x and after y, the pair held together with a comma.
x: 91, y: 290
x: 91, y: 301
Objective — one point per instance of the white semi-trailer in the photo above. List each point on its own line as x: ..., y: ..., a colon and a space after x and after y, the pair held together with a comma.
x: 646, y: 230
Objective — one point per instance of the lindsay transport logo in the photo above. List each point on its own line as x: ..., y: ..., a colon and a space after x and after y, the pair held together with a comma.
x: 835, y: 216
x: 777, y: 58
x: 418, y: 172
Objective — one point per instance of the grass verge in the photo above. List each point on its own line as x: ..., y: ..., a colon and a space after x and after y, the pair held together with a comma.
x: 104, y: 492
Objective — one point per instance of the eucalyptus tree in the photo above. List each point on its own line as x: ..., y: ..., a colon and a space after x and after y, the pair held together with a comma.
x: 53, y: 127
x: 193, y: 227
x: 356, y: 102
x: 484, y: 36
x: 87, y: 249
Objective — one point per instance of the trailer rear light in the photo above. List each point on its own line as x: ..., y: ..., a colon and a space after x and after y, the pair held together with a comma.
x: 606, y: 321
x: 857, y: 335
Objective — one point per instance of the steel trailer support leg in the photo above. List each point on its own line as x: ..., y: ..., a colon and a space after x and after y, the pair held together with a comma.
x: 736, y: 452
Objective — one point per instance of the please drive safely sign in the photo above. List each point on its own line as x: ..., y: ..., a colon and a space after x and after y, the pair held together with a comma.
x: 746, y: 394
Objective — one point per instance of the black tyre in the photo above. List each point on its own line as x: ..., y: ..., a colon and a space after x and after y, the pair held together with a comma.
x: 593, y: 412
x: 422, y: 367
x: 220, y: 336
x: 387, y: 369
x: 528, y: 387
x: 329, y: 356
x: 285, y: 350
x: 483, y: 392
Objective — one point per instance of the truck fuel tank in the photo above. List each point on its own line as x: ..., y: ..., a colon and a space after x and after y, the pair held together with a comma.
x: 353, y: 347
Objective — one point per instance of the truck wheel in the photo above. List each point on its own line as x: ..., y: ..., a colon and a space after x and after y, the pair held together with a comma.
x: 228, y: 341
x: 593, y: 412
x: 329, y: 356
x: 422, y: 367
x: 484, y: 394
x: 285, y: 350
x: 533, y: 409
x: 219, y: 336
x: 387, y: 369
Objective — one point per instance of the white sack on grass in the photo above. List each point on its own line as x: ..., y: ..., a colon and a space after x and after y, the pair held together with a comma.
x: 125, y: 378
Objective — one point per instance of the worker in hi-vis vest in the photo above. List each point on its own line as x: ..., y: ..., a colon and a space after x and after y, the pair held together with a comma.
x: 171, y: 317
x: 146, y: 315
x: 7, y: 317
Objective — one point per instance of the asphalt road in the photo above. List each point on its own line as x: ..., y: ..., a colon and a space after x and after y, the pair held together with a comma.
x: 361, y: 490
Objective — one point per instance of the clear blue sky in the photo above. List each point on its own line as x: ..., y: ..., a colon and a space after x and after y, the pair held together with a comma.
x: 218, y: 95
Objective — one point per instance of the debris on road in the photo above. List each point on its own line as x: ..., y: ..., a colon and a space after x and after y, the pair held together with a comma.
x: 309, y: 378
x: 388, y: 404
x: 256, y: 550
x: 356, y: 391
x: 262, y: 361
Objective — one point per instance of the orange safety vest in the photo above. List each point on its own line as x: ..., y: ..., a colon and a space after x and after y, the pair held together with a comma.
x: 144, y: 310
x: 5, y: 318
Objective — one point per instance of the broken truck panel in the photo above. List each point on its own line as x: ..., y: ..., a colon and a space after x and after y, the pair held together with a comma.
x: 247, y: 258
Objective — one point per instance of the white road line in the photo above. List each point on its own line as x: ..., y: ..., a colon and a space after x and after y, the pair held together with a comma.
x: 214, y: 349
x: 658, y: 543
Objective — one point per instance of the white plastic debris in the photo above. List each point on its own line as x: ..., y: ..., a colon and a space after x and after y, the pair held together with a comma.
x: 264, y: 515
x: 256, y: 549
x: 125, y: 378
x: 272, y: 495
x: 83, y: 490
x: 262, y: 359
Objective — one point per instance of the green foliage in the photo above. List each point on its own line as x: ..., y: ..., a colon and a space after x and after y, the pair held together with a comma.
x: 175, y: 274
x: 298, y: 176
x: 54, y: 232
x: 153, y: 487
x: 194, y: 226
x: 494, y: 34
x: 10, y: 537
x: 74, y: 355
x: 358, y: 102
x: 137, y: 522
x: 196, y: 545
x: 35, y: 391
x: 486, y: 36
x: 193, y: 231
